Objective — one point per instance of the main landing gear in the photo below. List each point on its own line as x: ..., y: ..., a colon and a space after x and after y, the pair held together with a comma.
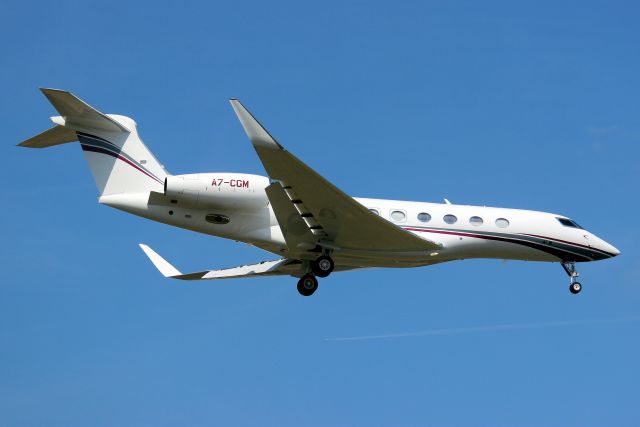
x: 321, y: 267
x: 307, y: 285
x: 574, y: 286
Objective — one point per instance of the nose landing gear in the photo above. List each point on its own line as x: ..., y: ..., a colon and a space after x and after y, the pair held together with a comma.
x: 574, y: 286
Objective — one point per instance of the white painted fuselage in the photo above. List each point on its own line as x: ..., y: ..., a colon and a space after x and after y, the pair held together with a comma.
x: 498, y: 233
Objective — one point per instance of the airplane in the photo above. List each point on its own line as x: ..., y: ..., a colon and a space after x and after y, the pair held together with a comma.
x: 295, y: 213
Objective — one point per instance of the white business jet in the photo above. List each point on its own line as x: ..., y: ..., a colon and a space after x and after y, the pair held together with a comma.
x: 313, y: 226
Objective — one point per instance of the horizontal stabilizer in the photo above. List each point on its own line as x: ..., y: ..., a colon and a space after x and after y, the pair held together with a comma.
x: 54, y: 136
x: 266, y: 268
x: 78, y: 114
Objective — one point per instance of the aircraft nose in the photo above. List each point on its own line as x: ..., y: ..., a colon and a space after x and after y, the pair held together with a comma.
x: 609, y: 248
x: 612, y: 250
x: 606, y: 249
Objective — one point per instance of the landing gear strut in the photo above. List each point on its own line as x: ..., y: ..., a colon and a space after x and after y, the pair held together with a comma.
x: 574, y: 286
x: 322, y: 266
x: 307, y: 285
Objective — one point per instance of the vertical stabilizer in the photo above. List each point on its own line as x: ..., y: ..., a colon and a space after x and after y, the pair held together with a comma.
x: 118, y: 159
x: 121, y: 163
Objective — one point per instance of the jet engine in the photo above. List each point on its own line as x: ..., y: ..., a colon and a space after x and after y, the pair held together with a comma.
x: 227, y: 191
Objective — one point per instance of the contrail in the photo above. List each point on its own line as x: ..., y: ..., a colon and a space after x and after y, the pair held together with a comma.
x: 489, y: 328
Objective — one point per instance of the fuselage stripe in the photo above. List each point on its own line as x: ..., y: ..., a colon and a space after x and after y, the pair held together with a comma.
x: 100, y: 145
x: 557, y: 252
x: 570, y: 243
x: 96, y: 149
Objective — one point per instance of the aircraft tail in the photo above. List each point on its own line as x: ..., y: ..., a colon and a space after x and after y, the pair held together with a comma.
x: 117, y: 157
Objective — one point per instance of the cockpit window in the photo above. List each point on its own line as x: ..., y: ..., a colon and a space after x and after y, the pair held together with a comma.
x: 568, y: 223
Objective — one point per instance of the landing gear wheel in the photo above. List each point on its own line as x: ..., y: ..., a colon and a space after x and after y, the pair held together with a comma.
x: 307, y: 285
x: 575, y: 287
x: 322, y: 266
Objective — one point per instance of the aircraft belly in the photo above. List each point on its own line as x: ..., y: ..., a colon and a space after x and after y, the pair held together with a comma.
x: 250, y: 226
x: 384, y: 263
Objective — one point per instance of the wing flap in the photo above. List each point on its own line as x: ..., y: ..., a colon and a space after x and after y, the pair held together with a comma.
x: 342, y: 220
x: 266, y: 268
x: 295, y: 230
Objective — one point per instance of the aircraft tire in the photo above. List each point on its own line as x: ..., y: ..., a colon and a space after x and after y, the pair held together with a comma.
x: 575, y: 288
x: 307, y: 285
x: 323, y: 266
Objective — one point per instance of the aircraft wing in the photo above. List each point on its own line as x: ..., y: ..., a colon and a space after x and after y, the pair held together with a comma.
x: 279, y: 267
x: 329, y: 213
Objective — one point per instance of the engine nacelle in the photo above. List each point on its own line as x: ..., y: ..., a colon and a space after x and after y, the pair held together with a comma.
x: 226, y: 191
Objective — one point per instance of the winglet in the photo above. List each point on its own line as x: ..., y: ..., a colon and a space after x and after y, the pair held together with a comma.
x: 161, y: 264
x: 255, y: 131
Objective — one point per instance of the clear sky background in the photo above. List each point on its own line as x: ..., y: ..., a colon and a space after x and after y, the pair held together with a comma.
x: 518, y: 104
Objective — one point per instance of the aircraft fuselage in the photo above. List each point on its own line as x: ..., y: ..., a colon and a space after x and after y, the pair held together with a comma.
x: 463, y: 231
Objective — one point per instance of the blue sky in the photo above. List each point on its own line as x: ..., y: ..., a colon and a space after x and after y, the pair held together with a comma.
x: 491, y: 103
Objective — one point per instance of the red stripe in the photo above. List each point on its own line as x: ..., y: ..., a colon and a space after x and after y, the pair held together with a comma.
x: 570, y: 243
x: 141, y: 170
x: 87, y: 147
x: 457, y: 233
x: 482, y: 236
x: 506, y: 239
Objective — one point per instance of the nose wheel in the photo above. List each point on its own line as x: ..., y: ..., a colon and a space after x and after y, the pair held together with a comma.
x: 574, y: 286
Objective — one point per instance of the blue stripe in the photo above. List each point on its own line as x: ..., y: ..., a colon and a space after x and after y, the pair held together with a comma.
x: 105, y: 147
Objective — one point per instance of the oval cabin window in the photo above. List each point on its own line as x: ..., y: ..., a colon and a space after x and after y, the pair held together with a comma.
x: 475, y: 220
x: 502, y: 223
x: 424, y: 217
x: 217, y: 219
x: 398, y: 216
x: 450, y: 219
x: 375, y: 211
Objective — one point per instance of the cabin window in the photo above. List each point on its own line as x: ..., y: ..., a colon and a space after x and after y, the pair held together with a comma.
x: 398, y: 216
x: 217, y: 219
x: 375, y: 211
x: 450, y: 219
x: 475, y: 220
x: 568, y: 223
x: 502, y: 223
x: 424, y: 217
